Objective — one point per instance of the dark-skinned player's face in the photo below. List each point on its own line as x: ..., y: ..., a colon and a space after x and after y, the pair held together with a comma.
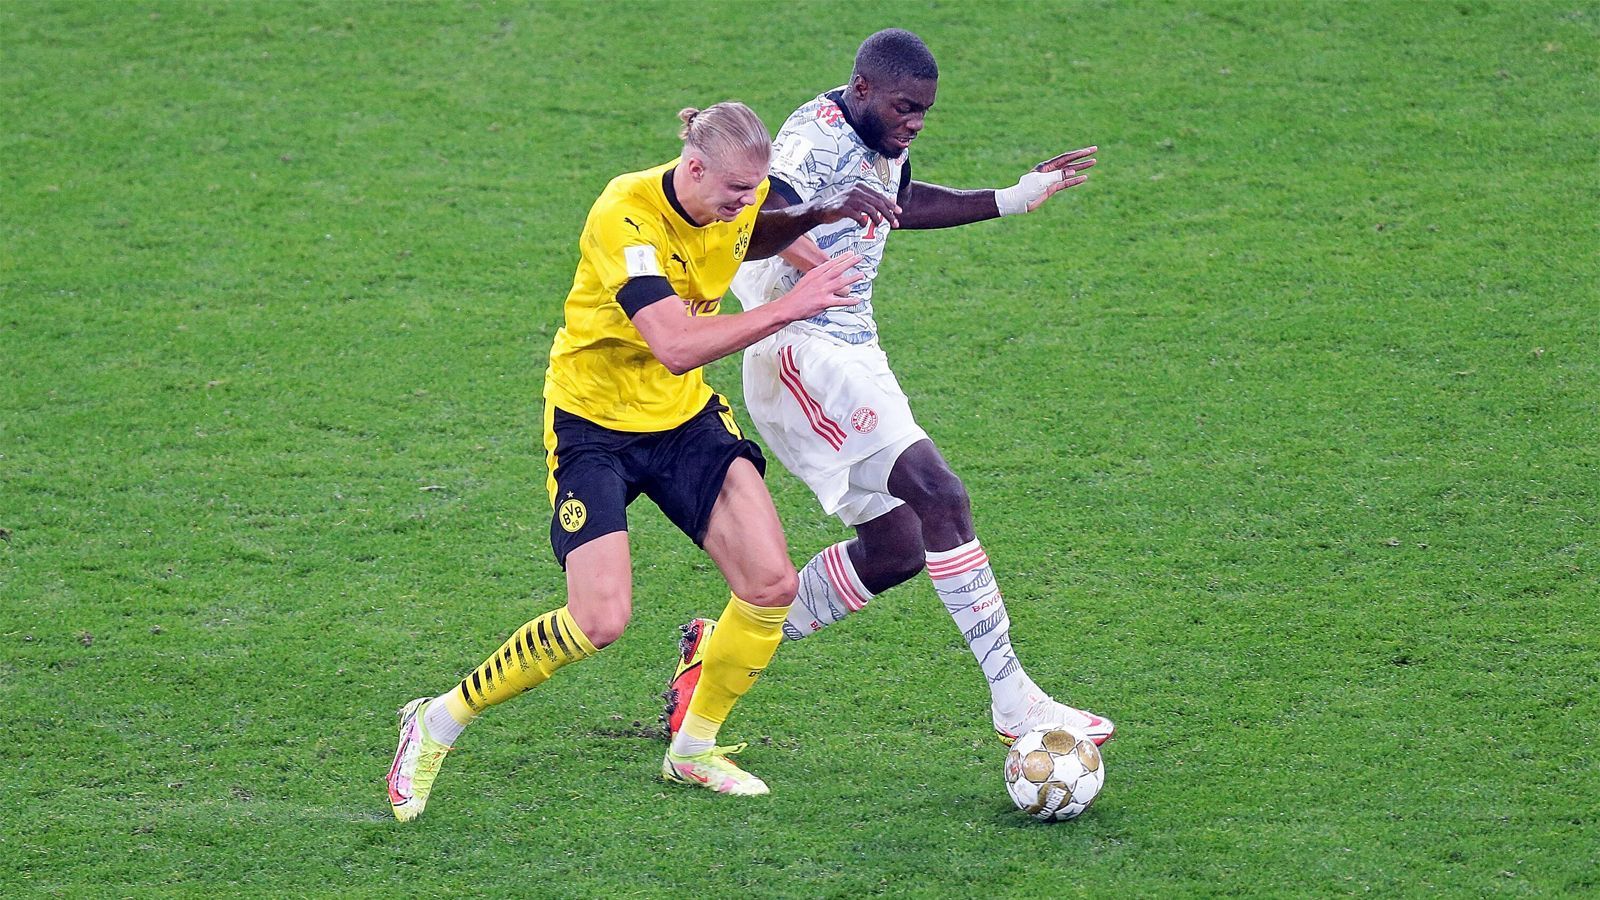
x: 890, y: 113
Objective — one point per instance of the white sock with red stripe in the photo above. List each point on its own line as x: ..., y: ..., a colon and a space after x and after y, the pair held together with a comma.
x: 966, y: 586
x: 830, y: 589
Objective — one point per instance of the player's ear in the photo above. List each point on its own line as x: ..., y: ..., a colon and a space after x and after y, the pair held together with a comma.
x: 859, y: 85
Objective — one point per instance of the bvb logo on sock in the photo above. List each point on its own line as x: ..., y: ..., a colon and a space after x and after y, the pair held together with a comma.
x: 572, y: 514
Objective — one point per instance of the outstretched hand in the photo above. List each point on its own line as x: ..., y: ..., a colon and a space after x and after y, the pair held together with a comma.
x: 1074, y: 160
x: 1070, y: 165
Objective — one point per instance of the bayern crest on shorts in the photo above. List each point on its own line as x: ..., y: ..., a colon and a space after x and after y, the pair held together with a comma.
x: 863, y: 420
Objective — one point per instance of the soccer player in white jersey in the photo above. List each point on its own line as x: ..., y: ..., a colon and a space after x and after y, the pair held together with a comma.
x: 825, y: 401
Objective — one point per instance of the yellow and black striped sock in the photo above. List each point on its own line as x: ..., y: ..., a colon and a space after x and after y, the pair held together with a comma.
x: 736, y: 654
x: 525, y: 660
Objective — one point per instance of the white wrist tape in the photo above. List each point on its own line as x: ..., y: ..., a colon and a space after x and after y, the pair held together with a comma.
x: 1014, y: 200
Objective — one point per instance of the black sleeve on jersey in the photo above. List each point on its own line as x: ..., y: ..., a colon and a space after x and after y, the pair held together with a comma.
x: 643, y: 291
x: 776, y: 185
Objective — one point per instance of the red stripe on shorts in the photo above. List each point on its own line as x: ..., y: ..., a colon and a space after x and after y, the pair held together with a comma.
x: 789, y: 373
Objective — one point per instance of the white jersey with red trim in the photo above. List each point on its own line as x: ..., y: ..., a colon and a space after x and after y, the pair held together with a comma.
x: 818, y: 154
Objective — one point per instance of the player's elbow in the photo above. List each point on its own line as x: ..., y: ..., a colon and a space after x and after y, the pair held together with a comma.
x: 670, y: 342
x: 676, y: 357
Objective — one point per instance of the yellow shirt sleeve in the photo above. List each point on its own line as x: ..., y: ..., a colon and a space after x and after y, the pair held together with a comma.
x: 627, y: 241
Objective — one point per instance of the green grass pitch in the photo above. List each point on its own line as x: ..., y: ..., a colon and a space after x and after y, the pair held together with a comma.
x: 1282, y: 434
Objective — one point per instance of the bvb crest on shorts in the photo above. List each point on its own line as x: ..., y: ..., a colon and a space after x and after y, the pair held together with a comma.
x: 572, y: 514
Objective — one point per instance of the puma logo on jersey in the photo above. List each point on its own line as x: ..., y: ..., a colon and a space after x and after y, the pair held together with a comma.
x: 681, y: 261
x: 634, y: 224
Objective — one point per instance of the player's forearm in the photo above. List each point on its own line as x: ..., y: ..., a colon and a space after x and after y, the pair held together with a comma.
x: 777, y: 228
x: 936, y: 206
x: 684, y: 343
x: 804, y: 254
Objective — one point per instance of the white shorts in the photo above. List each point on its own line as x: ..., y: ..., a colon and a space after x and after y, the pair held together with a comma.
x: 833, y: 414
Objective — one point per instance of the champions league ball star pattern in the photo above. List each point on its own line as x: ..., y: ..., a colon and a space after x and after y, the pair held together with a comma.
x: 1054, y: 773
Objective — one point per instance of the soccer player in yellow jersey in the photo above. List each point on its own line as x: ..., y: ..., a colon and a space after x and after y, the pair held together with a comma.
x: 628, y: 413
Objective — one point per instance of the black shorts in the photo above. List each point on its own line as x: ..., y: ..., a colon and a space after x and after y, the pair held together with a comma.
x: 598, y: 472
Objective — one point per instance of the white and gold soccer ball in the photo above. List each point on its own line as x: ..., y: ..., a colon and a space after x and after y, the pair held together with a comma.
x: 1054, y: 773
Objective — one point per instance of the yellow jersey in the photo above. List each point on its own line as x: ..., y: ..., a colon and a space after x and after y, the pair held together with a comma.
x: 636, y: 235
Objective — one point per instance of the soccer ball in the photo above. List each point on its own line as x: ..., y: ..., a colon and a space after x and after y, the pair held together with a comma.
x: 1053, y: 773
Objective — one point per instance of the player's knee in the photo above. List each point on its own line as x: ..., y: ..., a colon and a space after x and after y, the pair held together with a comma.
x: 774, y: 588
x: 602, y: 623
x: 607, y: 630
x: 941, y: 498
x: 954, y: 502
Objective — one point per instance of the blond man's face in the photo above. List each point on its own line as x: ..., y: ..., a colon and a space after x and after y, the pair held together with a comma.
x: 725, y: 189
